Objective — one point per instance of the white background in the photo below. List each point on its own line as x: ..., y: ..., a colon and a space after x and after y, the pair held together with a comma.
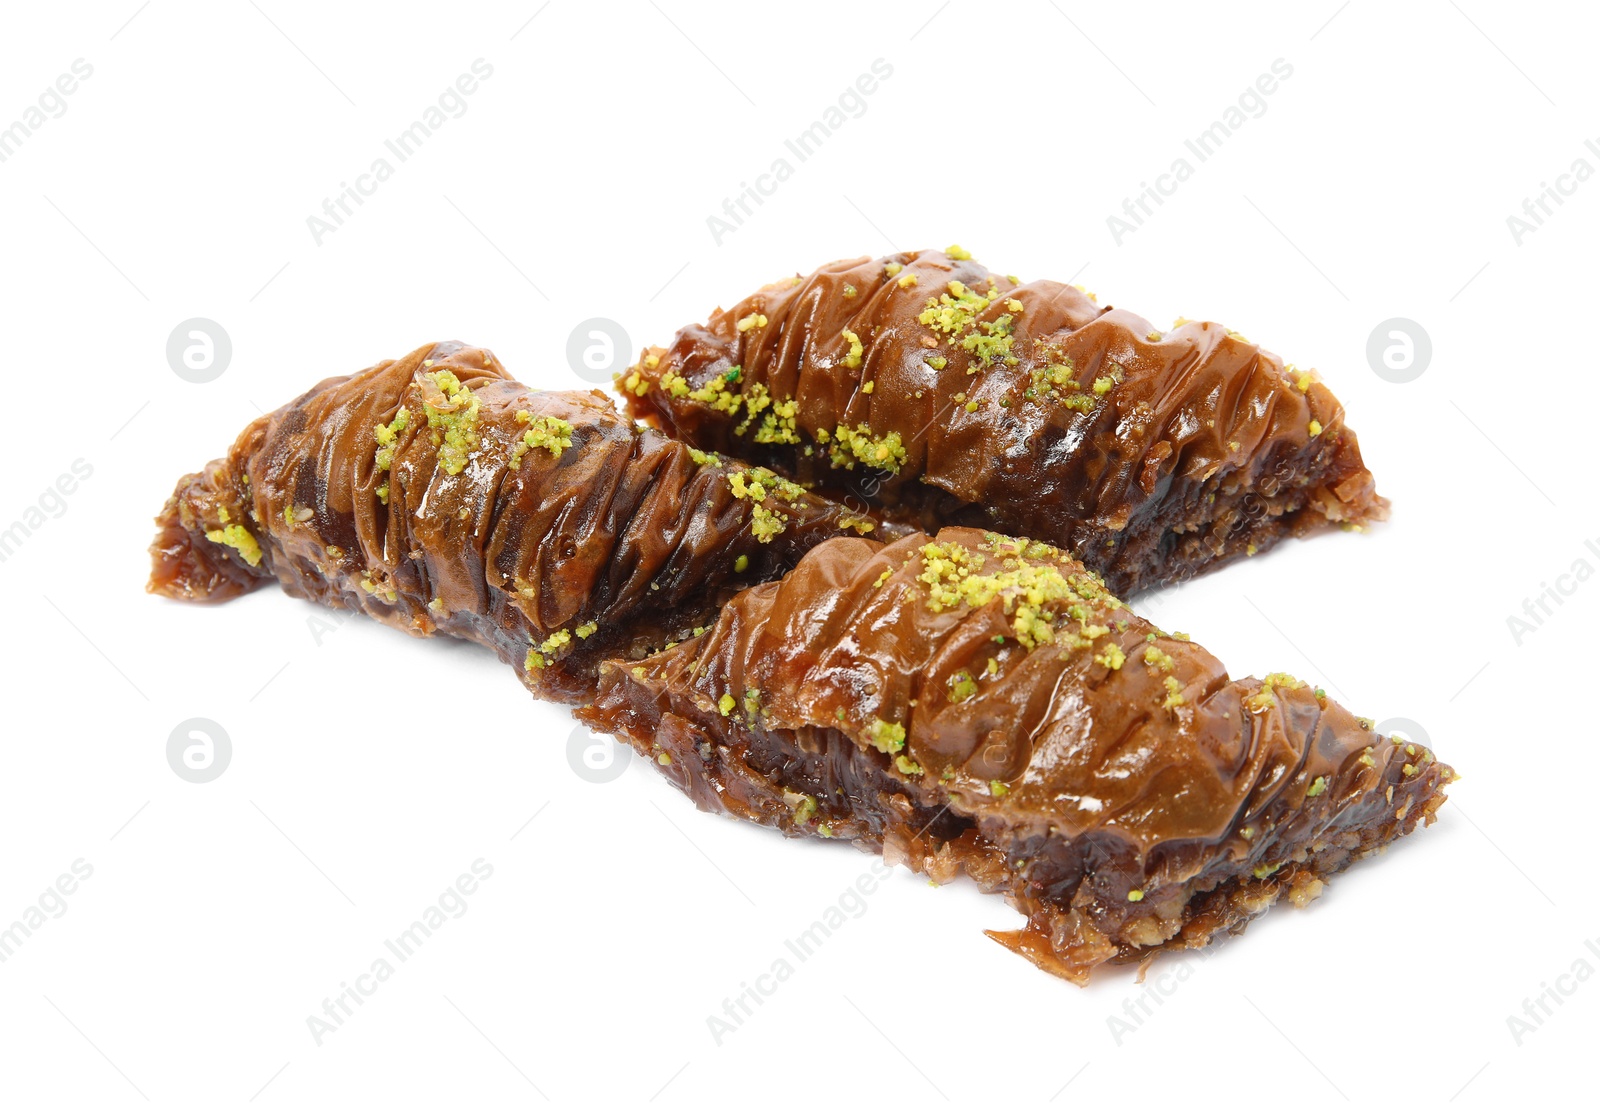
x: 369, y: 770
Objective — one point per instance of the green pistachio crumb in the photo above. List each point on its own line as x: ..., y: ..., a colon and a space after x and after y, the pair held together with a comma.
x: 388, y: 437
x: 240, y: 539
x: 962, y: 686
x: 452, y: 410
x: 853, y: 357
x: 886, y: 737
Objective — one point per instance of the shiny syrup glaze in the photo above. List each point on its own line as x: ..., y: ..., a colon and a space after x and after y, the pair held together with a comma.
x: 624, y: 529
x: 1201, y: 451
x: 1121, y: 812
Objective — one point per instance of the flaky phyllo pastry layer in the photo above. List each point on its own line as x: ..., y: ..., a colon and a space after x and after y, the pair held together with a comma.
x: 965, y: 702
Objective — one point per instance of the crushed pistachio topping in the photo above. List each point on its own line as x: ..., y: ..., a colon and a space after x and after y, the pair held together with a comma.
x: 383, y: 493
x: 849, y: 290
x: 962, y: 686
x: 906, y: 765
x: 1248, y: 833
x: 636, y: 384
x: 237, y: 537
x: 1104, y: 383
x: 741, y: 564
x: 1054, y: 379
x: 538, y: 655
x: 452, y: 411
x: 858, y: 445
x: 1315, y: 428
x: 664, y: 758
x: 1263, y: 699
x: 955, y: 311
x: 1155, y: 657
x: 388, y: 437
x: 756, y: 401
x: 852, y: 358
x: 866, y: 388
x: 908, y: 280
x: 993, y: 343
x: 704, y: 458
x: 751, y: 321
x: 584, y: 631
x: 756, y: 485
x: 714, y: 393
x: 998, y: 788
x: 1263, y: 871
x: 437, y: 605
x: 1317, y: 787
x: 550, y: 433
x: 726, y: 703
x: 778, y: 424
x: 380, y: 588
x: 956, y: 252
x: 803, y: 805
x: 1110, y: 657
x: 1030, y: 580
x: 1135, y: 895
x: 1174, y: 698
x: 885, y: 736
x: 892, y: 269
